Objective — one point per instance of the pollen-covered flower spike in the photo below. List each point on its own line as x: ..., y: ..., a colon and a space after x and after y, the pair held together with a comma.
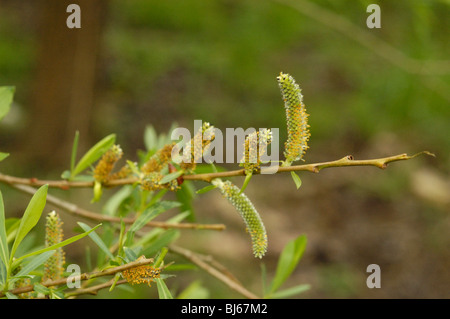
x: 54, y: 267
x: 197, y: 146
x: 248, y: 213
x: 141, y: 274
x: 102, y: 172
x: 255, y: 146
x: 158, y: 160
x: 296, y: 117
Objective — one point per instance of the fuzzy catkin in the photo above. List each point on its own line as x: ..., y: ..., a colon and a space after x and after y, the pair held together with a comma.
x: 158, y: 160
x: 255, y: 146
x: 102, y: 172
x: 248, y: 212
x: 296, y: 118
x: 197, y: 146
x: 54, y: 267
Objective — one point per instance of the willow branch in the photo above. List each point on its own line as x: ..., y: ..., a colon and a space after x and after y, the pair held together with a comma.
x: 84, y: 276
x: 314, y: 168
x: 77, y: 211
x: 208, y: 177
x: 197, y: 260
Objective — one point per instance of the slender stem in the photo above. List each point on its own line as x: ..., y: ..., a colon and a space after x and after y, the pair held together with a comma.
x: 194, y: 258
x: 75, y: 210
x: 208, y: 177
x: 84, y: 276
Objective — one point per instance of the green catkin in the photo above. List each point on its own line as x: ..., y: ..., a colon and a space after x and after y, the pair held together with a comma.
x: 54, y: 267
x: 255, y: 146
x: 248, y: 212
x: 296, y: 118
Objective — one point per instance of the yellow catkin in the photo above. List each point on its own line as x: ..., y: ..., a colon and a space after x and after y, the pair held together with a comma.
x: 255, y: 146
x: 296, y: 118
x: 102, y: 172
x: 54, y: 266
x: 151, y: 182
x: 141, y: 274
x: 158, y: 160
x: 197, y: 146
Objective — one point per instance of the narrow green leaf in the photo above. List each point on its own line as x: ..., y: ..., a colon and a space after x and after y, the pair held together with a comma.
x: 34, y: 263
x: 205, y: 189
x: 169, y: 177
x: 113, y: 203
x: 41, y: 289
x: 11, y: 296
x: 149, y: 236
x: 297, y: 180
x: 74, y: 151
x: 289, y: 292
x: 194, y: 291
x: 289, y: 258
x: 163, y: 291
x: 150, y: 138
x: 3, y: 156
x: 30, y: 217
x: 2, y: 273
x: 151, y: 213
x: 6, y: 98
x: 97, y: 240
x: 94, y: 153
x: 165, y: 239
x: 61, y: 244
x: 129, y: 254
x: 4, y: 251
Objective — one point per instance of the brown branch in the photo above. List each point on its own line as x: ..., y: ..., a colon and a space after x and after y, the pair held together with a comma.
x: 84, y: 276
x: 314, y: 168
x: 194, y: 258
x: 208, y: 177
x: 77, y: 211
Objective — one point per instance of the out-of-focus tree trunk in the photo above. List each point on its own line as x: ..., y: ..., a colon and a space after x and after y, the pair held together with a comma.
x: 64, y: 86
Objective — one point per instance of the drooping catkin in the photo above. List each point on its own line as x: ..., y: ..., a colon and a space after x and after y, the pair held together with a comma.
x: 248, y: 212
x: 296, y: 118
x: 54, y: 266
x: 255, y: 146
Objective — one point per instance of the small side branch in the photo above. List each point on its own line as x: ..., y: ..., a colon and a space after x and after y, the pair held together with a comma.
x: 225, y: 278
x: 84, y: 276
x: 208, y: 177
x: 77, y: 211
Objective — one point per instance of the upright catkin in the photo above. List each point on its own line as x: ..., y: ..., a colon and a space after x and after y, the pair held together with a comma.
x: 255, y: 146
x: 54, y: 266
x: 102, y: 172
x: 248, y: 213
x: 197, y: 146
x: 296, y: 118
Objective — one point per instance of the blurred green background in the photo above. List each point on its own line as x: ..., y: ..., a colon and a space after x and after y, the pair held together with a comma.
x: 369, y: 92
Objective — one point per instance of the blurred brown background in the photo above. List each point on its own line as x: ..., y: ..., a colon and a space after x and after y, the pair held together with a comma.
x: 369, y: 92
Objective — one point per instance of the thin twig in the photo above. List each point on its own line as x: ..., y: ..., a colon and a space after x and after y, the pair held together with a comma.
x: 212, y: 271
x: 84, y: 276
x: 77, y: 211
x: 207, y: 177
